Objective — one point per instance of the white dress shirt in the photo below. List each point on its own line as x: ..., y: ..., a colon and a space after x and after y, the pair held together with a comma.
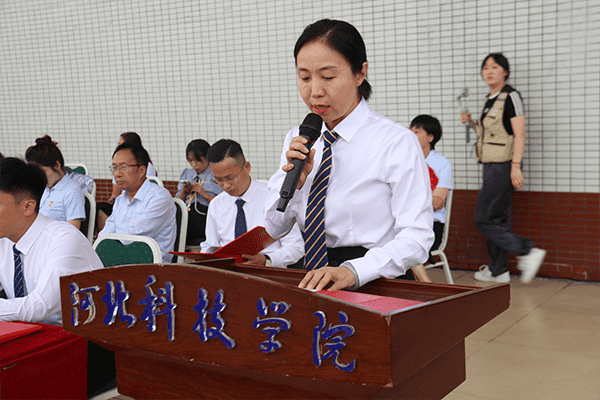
x: 50, y: 249
x: 379, y: 195
x: 220, y: 223
x: 150, y: 213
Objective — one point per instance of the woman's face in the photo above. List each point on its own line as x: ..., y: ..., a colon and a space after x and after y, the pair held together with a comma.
x: 198, y: 165
x: 53, y: 174
x: 326, y: 82
x: 493, y: 74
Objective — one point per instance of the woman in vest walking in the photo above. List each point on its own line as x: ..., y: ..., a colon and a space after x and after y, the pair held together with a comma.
x: 500, y: 145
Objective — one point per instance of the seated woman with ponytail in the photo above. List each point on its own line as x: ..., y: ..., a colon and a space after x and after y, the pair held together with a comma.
x: 62, y: 200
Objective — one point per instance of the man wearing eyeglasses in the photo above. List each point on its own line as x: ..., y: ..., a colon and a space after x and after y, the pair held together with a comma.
x: 144, y: 208
x: 240, y: 208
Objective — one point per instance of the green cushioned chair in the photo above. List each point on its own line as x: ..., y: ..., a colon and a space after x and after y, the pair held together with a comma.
x: 80, y: 168
x: 138, y: 250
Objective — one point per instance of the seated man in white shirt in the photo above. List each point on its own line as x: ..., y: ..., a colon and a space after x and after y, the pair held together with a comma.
x: 35, y: 250
x: 143, y: 208
x: 240, y: 208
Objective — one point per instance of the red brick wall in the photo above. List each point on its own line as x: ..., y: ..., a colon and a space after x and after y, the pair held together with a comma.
x: 104, y: 188
x: 567, y: 225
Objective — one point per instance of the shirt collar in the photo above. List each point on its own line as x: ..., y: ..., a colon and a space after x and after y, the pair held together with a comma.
x: 350, y: 125
x: 61, y: 184
x: 28, y: 239
x: 431, y: 154
x: 250, y: 192
x: 142, y: 191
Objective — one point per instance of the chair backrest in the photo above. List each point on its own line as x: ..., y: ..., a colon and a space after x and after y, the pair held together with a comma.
x: 181, y: 216
x: 138, y: 250
x: 442, y: 246
x: 78, y: 167
x: 155, y: 179
x: 87, y: 226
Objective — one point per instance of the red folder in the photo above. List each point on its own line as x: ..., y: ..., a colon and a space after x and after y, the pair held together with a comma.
x: 15, y: 330
x: 251, y: 242
x: 378, y: 303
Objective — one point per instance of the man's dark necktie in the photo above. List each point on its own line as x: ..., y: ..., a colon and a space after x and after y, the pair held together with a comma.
x: 240, y: 219
x: 19, y: 280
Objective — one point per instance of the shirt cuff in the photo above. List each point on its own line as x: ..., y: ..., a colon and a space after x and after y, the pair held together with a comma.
x: 348, y: 265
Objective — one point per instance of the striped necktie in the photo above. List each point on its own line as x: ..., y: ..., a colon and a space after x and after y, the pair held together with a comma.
x: 240, y: 219
x: 19, y: 281
x: 314, y: 228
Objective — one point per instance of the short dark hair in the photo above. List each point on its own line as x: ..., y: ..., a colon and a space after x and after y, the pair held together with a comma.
x: 199, y: 148
x: 45, y: 152
x: 22, y: 180
x: 429, y: 124
x: 139, y: 153
x: 343, y: 38
x: 225, y: 148
x: 134, y: 138
x: 500, y: 60
x: 131, y: 137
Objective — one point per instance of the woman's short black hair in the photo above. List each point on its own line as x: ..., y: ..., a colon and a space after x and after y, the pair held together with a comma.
x: 199, y: 148
x: 45, y: 152
x: 500, y: 60
x: 429, y: 124
x: 343, y: 38
x: 22, y: 180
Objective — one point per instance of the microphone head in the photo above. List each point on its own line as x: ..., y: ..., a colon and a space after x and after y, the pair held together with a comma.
x: 311, y: 126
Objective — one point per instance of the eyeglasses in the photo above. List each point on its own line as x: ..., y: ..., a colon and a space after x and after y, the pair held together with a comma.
x: 122, y: 168
x: 227, y: 179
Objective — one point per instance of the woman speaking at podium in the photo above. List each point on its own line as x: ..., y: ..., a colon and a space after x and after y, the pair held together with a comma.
x: 363, y: 198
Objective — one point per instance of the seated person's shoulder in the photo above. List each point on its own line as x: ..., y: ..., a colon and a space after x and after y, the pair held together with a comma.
x: 438, y: 158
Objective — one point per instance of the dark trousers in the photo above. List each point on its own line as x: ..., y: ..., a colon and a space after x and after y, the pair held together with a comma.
x: 338, y: 255
x: 196, y: 224
x: 493, y: 217
x: 438, y: 230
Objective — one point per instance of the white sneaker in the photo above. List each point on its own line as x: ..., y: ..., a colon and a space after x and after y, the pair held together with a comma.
x: 530, y: 263
x: 485, y: 275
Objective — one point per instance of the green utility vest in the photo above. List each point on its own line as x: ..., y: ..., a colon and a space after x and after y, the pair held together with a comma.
x: 494, y: 144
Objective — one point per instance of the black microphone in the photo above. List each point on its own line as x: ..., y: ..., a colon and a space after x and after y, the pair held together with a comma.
x: 311, y: 130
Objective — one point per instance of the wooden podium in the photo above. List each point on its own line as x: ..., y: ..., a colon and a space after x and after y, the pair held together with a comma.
x: 223, y: 330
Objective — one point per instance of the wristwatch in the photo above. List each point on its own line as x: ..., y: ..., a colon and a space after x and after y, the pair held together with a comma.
x: 268, y: 261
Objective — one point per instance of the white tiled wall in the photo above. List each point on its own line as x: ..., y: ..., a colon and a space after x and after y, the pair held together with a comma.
x: 173, y: 71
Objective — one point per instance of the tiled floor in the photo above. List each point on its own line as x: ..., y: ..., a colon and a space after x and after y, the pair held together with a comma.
x: 545, y: 346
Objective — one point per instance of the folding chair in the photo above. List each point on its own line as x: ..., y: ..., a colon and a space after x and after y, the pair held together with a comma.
x: 440, y: 250
x: 182, y: 223
x: 87, y: 226
x: 140, y: 250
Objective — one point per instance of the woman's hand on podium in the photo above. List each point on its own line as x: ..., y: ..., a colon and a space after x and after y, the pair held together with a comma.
x: 318, y: 279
